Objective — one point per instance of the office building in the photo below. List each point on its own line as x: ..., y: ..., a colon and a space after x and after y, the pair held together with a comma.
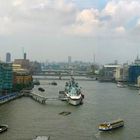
x: 8, y: 57
x: 6, y: 77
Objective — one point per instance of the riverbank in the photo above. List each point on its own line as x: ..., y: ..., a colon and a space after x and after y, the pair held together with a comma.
x: 7, y: 98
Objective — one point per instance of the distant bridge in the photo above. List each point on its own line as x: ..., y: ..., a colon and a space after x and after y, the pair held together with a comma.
x: 61, y: 73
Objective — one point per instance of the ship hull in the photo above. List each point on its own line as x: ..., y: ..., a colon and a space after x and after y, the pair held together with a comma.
x: 107, y: 126
x: 109, y: 129
x: 75, y: 102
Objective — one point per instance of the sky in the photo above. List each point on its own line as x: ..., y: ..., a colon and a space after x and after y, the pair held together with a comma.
x: 52, y: 30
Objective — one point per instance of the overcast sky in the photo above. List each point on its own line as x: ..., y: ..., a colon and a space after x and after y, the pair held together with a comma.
x: 55, y: 29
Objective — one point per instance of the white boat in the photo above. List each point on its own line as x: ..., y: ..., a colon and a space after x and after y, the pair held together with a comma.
x: 106, y: 126
x: 3, y: 127
x: 73, y: 93
x: 42, y: 138
x: 120, y: 85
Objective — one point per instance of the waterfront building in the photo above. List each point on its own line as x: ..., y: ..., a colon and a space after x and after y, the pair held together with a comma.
x: 6, y: 78
x: 8, y: 57
x: 110, y: 72
x: 25, y: 63
x: 121, y: 73
x: 21, y: 77
x: 125, y: 72
x: 22, y: 80
x: 138, y: 81
x: 134, y: 71
x: 18, y: 68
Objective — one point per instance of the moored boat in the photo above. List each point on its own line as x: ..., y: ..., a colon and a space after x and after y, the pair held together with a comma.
x: 3, y: 127
x: 120, y: 85
x: 36, y: 82
x: 54, y: 83
x: 73, y: 93
x: 106, y: 126
x: 41, y: 89
x: 42, y: 138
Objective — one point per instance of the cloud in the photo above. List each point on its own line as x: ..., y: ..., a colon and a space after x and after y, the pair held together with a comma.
x: 60, y: 17
x: 86, y: 21
x: 120, y: 29
x: 42, y: 16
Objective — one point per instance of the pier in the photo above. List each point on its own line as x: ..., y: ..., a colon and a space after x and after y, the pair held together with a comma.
x: 41, y: 99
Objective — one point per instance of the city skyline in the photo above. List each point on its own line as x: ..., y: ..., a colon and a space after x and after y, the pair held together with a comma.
x: 53, y: 30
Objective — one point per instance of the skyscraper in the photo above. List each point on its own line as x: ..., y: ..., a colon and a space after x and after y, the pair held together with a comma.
x: 25, y: 55
x: 8, y: 57
x: 69, y: 60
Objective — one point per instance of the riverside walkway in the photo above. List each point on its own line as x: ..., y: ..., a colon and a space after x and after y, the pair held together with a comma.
x: 9, y: 97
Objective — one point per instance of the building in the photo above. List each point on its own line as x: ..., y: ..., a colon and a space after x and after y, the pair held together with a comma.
x: 25, y: 63
x: 22, y: 80
x: 110, y: 72
x: 134, y: 71
x: 25, y: 55
x: 18, y: 69
x: 138, y: 81
x: 69, y: 61
x: 8, y: 57
x: 119, y: 74
x: 125, y: 72
x: 35, y: 67
x: 6, y: 78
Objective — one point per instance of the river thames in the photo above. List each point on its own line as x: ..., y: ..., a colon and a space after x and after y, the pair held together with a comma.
x: 27, y: 118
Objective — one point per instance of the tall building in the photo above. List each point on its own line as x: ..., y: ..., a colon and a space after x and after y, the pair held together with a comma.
x: 8, y: 57
x: 25, y: 56
x: 69, y: 60
x: 6, y: 77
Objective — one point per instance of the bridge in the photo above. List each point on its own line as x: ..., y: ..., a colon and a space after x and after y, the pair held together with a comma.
x: 60, y: 73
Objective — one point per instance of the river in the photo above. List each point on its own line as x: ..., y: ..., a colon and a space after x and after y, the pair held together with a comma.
x: 103, y: 102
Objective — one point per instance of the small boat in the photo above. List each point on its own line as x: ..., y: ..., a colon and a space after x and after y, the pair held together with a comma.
x: 3, y: 127
x: 41, y: 89
x: 65, y: 113
x: 36, y: 82
x: 73, y: 93
x: 106, y: 126
x: 42, y: 138
x: 120, y: 85
x: 54, y: 83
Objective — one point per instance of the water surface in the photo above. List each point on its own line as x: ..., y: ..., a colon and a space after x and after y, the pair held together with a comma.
x: 103, y: 102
